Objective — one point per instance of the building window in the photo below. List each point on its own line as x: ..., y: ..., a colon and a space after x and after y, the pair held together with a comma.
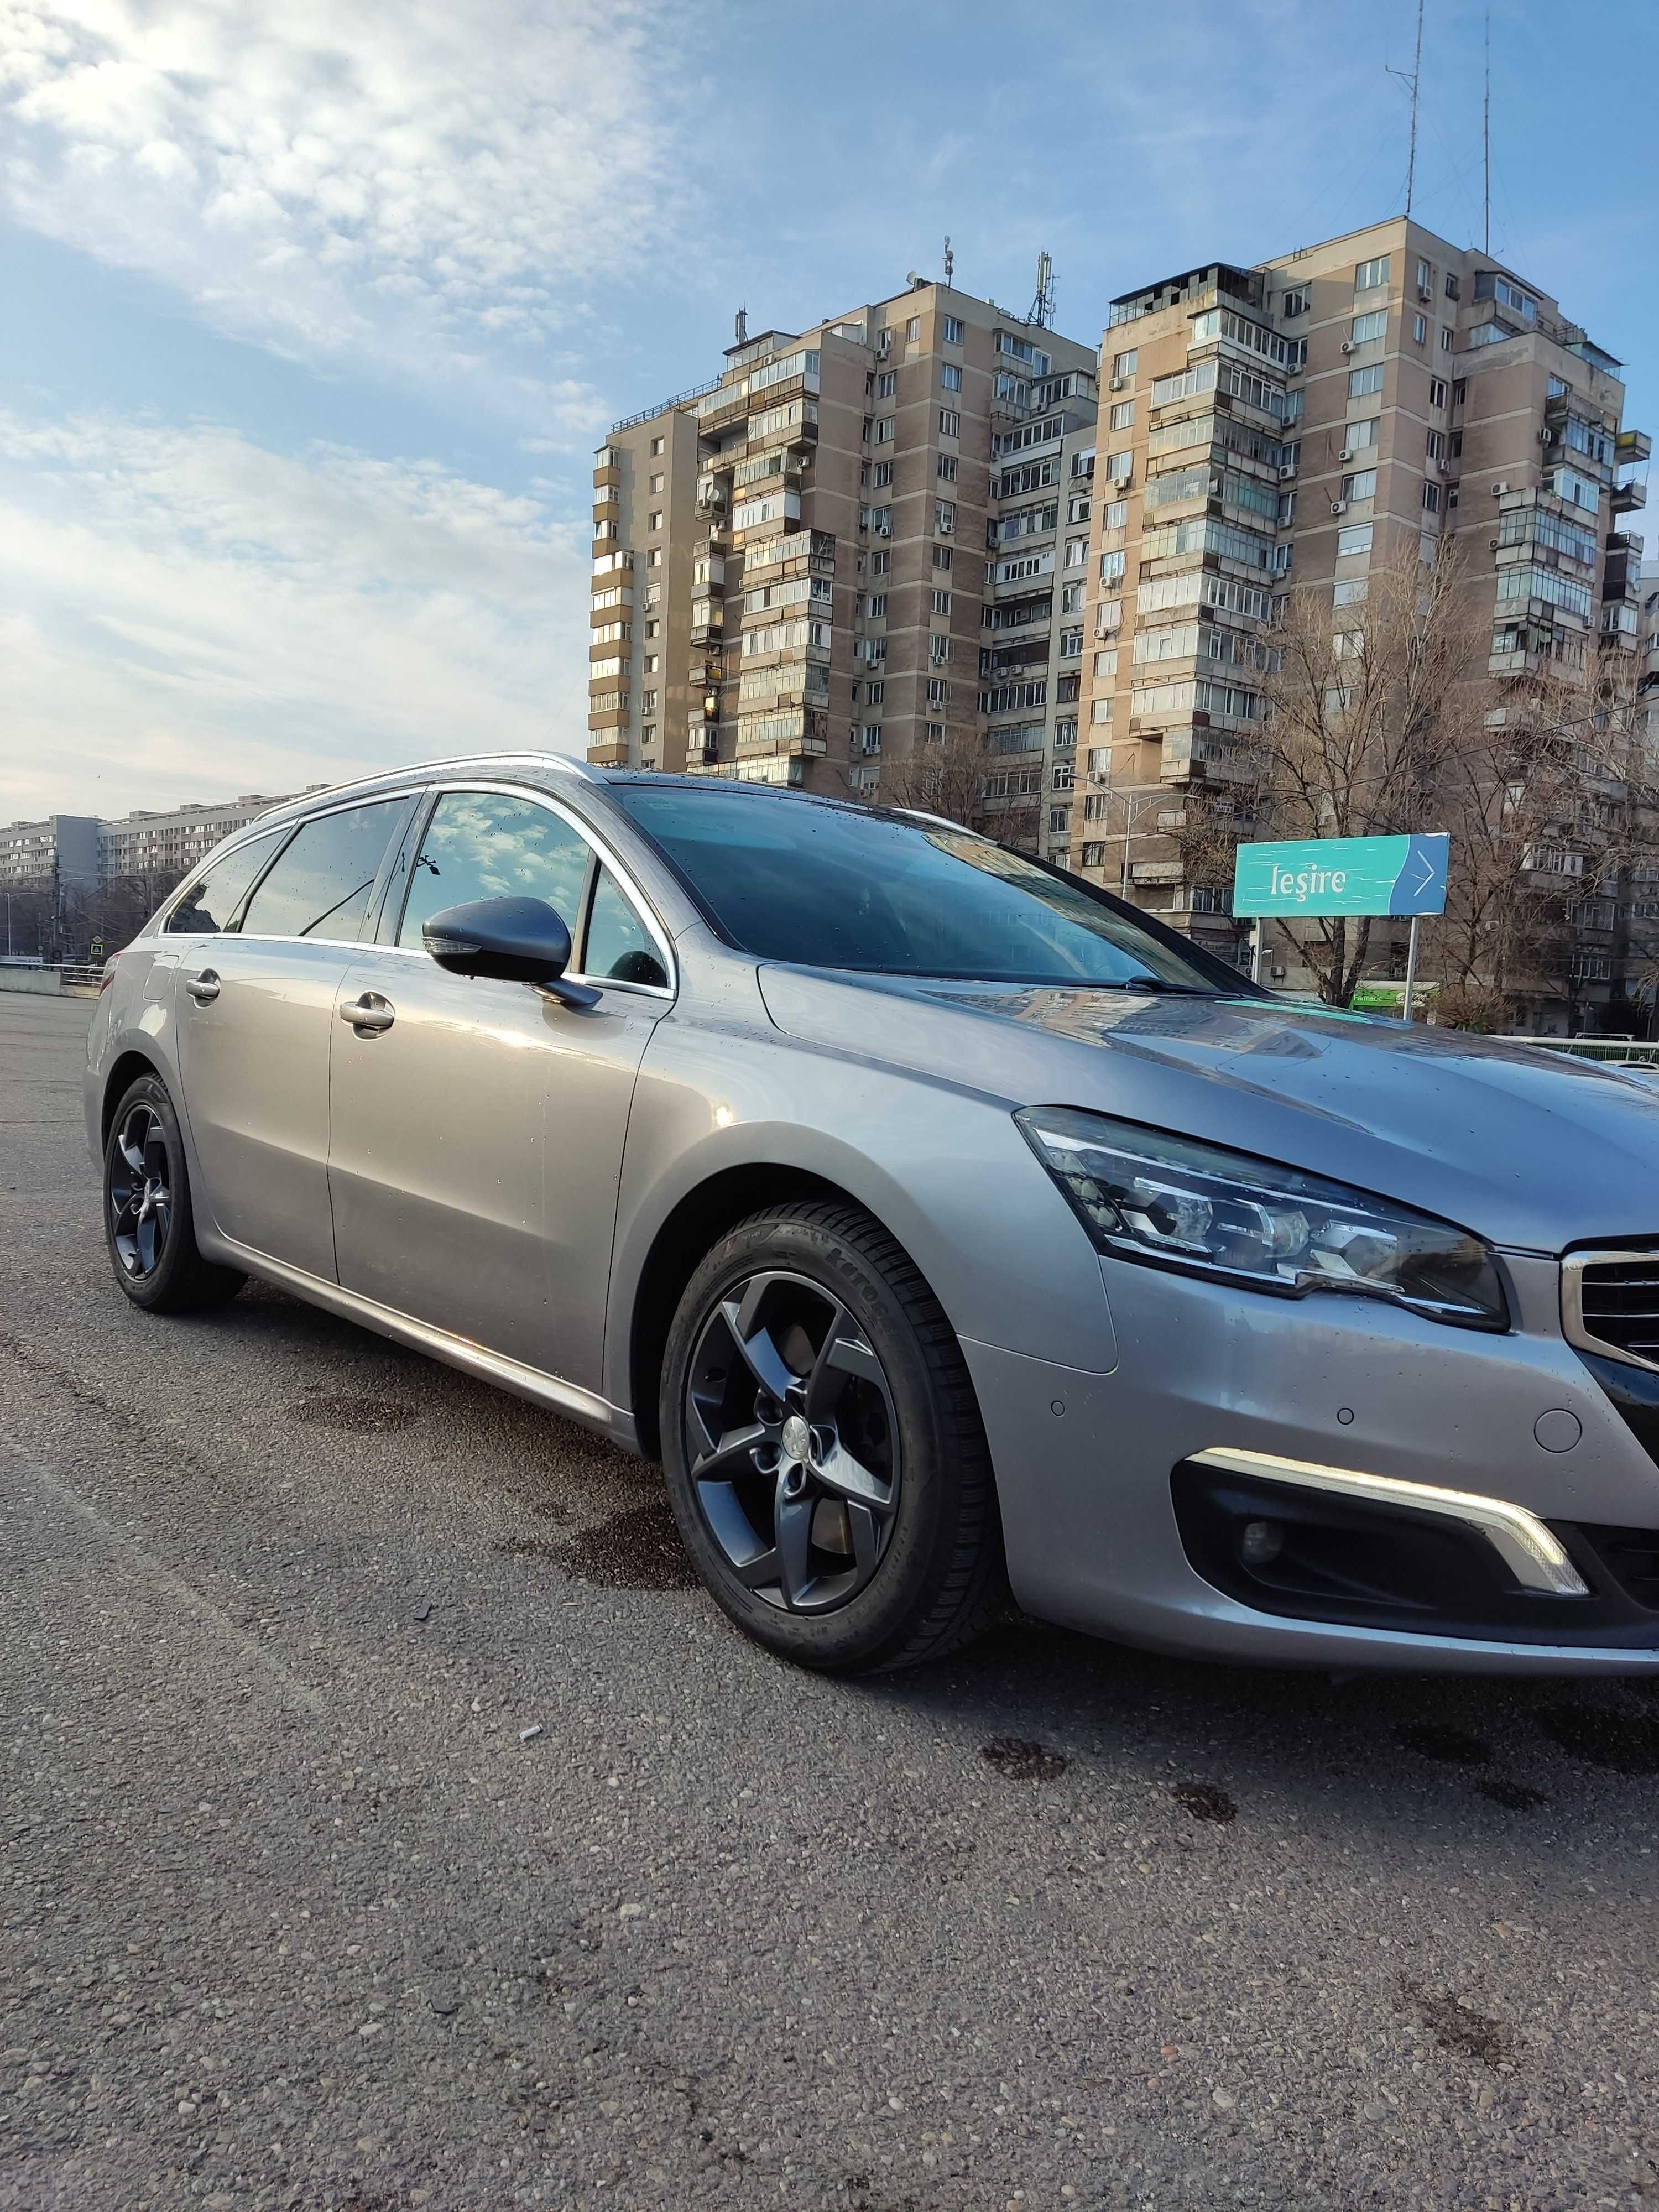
x: 656, y: 447
x: 887, y: 384
x: 653, y: 664
x: 653, y: 558
x: 1364, y: 380
x: 1445, y: 341
x: 1071, y: 644
x: 1419, y: 330
x: 950, y: 422
x: 1370, y: 274
x: 936, y: 691
x: 945, y: 517
x: 1453, y: 288
x: 951, y: 330
x: 1123, y: 364
x: 946, y: 468
x: 1425, y: 278
x: 648, y: 734
x: 875, y: 606
x: 1122, y: 414
x: 1077, y: 552
x: 1435, y: 445
x: 1356, y: 538
x: 884, y: 475
x: 653, y: 521
x: 1078, y: 510
x: 875, y: 693
x: 1059, y: 823
x: 1365, y: 328
x: 1460, y: 391
x: 941, y: 557
x: 938, y: 649
x: 1062, y: 775
x: 950, y: 376
x: 1070, y: 595
x: 882, y: 433
x: 913, y: 330
x: 1432, y: 499
x: 648, y: 701
x: 1361, y: 485
x: 941, y: 603
x: 1066, y: 733
x: 1295, y: 302
x: 1116, y: 516
x: 656, y: 482
x: 870, y: 737
x: 1437, y: 392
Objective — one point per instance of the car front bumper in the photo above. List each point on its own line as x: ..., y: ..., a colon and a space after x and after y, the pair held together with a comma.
x: 1087, y: 1468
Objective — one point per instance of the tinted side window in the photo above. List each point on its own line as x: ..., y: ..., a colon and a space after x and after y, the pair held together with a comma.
x: 209, y: 903
x: 484, y: 845
x: 619, y: 946
x: 320, y: 886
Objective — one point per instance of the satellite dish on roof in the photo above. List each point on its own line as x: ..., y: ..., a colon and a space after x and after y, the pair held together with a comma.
x: 911, y: 278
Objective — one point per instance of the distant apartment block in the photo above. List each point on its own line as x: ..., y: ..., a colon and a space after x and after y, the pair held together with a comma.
x: 84, y: 850
x: 1288, y: 424
x: 858, y: 539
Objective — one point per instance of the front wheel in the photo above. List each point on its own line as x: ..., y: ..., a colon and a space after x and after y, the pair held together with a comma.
x: 825, y: 1458
x: 148, y: 1225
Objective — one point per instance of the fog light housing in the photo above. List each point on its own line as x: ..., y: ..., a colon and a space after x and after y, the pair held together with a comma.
x: 1260, y: 1543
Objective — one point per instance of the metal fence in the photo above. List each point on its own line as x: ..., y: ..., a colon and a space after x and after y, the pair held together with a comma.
x: 1579, y: 1047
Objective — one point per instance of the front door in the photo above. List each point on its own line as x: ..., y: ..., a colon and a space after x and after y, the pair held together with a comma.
x: 478, y: 1126
x: 256, y: 1007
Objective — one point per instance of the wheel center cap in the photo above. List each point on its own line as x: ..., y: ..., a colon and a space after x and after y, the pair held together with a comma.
x: 796, y: 1438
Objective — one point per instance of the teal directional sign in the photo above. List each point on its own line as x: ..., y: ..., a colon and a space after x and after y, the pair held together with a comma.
x: 1343, y: 875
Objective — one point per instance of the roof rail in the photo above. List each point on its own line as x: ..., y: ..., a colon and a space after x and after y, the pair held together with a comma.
x: 571, y: 766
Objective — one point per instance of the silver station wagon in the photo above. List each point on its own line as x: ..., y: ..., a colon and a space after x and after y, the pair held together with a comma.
x: 945, y: 1227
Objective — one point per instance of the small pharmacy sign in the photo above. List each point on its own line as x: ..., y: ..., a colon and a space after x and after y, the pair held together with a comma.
x: 1343, y: 875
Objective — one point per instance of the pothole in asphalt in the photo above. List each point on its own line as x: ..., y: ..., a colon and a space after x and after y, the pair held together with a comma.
x: 1205, y: 1801
x: 1624, y: 1742
x: 1454, y: 1746
x: 1017, y: 1760
x: 354, y: 1417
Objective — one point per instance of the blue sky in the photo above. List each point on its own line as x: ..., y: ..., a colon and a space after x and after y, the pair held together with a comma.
x: 312, y: 314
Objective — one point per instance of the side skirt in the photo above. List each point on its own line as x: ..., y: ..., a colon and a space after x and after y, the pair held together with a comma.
x: 568, y: 1399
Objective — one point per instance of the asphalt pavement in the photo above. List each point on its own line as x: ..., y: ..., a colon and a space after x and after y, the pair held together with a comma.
x: 388, y: 1820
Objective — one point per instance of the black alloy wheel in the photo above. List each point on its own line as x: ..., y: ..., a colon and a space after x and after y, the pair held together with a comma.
x: 150, y: 1224
x: 140, y: 1180
x: 792, y: 1442
x: 825, y: 1458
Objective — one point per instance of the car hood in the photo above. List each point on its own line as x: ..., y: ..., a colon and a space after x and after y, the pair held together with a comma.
x: 1527, y: 1147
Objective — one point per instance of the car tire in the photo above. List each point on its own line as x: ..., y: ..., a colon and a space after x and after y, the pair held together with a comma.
x: 807, y: 1355
x: 149, y: 1226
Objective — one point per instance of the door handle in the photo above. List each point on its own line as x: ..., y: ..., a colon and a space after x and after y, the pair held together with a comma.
x: 204, y: 988
x: 371, y: 1012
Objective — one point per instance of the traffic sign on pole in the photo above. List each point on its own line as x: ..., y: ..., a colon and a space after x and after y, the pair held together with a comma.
x: 1317, y: 875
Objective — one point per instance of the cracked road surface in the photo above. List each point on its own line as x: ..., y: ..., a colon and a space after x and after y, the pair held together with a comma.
x: 294, y: 1916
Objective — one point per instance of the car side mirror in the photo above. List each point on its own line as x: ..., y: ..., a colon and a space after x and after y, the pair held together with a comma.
x: 515, y: 940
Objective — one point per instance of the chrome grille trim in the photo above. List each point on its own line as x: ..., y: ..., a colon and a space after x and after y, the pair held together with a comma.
x: 1579, y: 1332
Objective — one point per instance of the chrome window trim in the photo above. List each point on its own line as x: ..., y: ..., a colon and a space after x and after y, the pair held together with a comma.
x: 263, y: 826
x: 1530, y: 1550
x: 606, y: 852
x: 1573, y: 1325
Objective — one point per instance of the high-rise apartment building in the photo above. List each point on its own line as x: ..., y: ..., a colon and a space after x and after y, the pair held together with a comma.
x: 859, y: 540
x: 1289, y: 424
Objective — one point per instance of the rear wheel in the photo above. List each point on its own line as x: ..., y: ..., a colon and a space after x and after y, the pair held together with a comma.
x: 824, y: 1453
x: 148, y: 1225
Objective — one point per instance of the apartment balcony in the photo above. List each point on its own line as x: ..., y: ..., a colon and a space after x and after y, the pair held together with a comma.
x: 1625, y: 498
x: 721, y: 407
x: 708, y: 621
x: 606, y: 478
x: 607, y: 756
x: 1632, y: 445
x: 800, y: 553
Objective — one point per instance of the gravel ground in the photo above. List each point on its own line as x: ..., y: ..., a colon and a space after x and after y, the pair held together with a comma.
x: 388, y: 1821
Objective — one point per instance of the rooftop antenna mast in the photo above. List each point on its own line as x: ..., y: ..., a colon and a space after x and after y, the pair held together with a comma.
x: 1486, y: 143
x: 1042, y: 309
x: 1412, y: 79
x: 950, y: 260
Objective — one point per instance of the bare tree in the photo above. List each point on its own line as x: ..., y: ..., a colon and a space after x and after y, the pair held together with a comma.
x: 1365, y: 703
x: 959, y: 777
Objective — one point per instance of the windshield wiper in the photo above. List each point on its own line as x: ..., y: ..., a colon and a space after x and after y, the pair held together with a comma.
x: 1175, y: 990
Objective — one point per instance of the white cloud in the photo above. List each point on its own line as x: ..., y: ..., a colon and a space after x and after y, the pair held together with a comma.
x: 405, y: 184
x: 188, y: 615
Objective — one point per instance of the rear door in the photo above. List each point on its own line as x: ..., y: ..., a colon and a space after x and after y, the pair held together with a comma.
x: 256, y: 1007
x: 478, y: 1126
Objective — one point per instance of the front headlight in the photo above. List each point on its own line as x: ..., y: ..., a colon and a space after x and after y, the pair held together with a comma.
x: 1144, y: 1195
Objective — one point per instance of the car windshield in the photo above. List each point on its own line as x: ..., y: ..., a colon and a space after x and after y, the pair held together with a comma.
x: 823, y: 884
